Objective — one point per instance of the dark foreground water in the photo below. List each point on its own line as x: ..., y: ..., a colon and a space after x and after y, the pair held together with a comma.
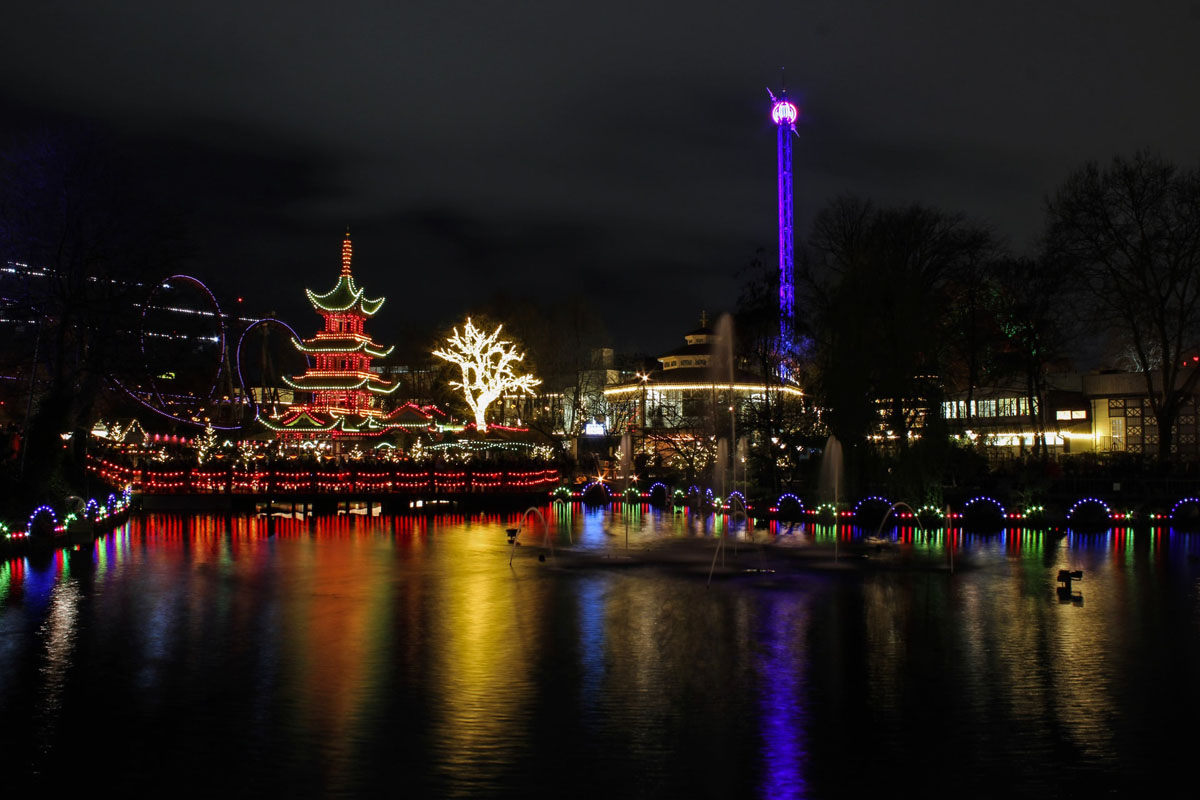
x: 355, y: 656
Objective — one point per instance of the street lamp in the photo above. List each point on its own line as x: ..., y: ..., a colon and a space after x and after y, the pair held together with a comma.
x: 644, y: 377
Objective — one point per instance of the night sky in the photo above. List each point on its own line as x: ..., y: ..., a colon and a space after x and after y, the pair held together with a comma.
x: 620, y: 151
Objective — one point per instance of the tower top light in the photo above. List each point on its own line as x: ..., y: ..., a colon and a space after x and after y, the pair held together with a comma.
x: 784, y: 112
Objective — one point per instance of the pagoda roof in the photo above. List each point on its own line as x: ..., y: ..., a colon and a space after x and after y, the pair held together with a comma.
x: 305, y: 420
x: 357, y: 423
x: 345, y: 343
x: 344, y: 296
x: 346, y: 381
x: 300, y: 419
x: 409, y: 415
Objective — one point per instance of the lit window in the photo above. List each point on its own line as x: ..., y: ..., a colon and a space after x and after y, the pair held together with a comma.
x: 1118, y: 432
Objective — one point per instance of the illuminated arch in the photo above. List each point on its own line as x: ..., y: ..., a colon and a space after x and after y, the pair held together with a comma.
x: 826, y: 507
x: 1086, y: 501
x: 1181, y: 503
x: 875, y: 498
x: 38, y: 512
x: 984, y: 499
x: 589, y: 487
x: 789, y: 497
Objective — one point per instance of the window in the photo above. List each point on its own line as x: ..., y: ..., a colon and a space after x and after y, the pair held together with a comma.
x: 1117, y: 427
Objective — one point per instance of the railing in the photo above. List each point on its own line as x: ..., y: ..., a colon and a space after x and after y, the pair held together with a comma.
x: 285, y: 480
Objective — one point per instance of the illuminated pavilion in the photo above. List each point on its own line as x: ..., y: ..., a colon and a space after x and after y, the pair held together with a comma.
x: 692, y: 380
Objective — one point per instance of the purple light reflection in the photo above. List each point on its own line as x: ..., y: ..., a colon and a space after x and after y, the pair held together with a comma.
x: 781, y: 674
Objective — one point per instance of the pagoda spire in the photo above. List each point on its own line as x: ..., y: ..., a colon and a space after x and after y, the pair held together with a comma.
x: 347, y: 252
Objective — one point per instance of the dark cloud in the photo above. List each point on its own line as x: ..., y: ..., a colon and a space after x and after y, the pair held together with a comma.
x: 620, y: 151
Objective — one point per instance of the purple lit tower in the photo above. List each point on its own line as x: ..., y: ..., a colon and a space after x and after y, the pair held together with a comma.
x: 784, y: 114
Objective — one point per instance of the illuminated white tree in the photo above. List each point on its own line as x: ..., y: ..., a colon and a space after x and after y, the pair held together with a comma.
x: 487, y: 368
x: 205, y: 442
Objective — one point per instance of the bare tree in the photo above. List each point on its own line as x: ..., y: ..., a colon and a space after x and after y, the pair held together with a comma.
x: 486, y: 362
x: 683, y: 435
x: 1030, y: 303
x: 1132, y: 229
x: 878, y: 285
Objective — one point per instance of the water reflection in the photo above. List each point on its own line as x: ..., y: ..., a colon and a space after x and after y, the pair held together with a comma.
x: 783, y: 676
x: 481, y: 673
x: 337, y: 653
x: 57, y: 631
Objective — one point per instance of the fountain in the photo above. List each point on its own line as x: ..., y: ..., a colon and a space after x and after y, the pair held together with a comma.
x: 626, y: 461
x: 514, y: 533
x: 878, y: 537
x: 879, y: 532
x: 721, y: 468
x: 737, y: 507
x: 830, y: 479
x: 721, y: 368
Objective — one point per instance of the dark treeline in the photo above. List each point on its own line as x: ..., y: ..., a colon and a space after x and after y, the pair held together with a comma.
x: 905, y: 304
x: 98, y: 222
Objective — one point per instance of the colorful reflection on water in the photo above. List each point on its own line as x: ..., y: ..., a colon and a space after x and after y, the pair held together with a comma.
x: 347, y: 655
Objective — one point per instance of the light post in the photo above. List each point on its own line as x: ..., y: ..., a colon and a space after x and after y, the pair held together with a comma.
x: 643, y: 376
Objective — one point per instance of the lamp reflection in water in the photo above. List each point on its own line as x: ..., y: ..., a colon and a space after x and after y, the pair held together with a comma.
x: 58, y: 631
x: 782, y: 674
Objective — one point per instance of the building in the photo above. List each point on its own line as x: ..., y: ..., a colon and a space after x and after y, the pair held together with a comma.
x: 1123, y: 419
x: 688, y: 382
x: 1008, y: 421
x: 679, y: 410
x: 340, y: 392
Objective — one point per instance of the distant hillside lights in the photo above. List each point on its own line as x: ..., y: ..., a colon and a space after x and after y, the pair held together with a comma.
x: 487, y: 363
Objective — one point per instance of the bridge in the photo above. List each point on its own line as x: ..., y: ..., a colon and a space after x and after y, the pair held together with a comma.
x: 324, y: 487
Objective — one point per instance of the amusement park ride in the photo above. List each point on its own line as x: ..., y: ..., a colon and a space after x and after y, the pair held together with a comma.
x: 199, y: 364
x: 202, y: 366
x: 784, y: 114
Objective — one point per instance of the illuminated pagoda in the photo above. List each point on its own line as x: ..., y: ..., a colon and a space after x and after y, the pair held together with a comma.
x: 344, y: 393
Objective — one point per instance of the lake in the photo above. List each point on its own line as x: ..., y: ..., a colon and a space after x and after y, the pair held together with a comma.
x: 353, y: 655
